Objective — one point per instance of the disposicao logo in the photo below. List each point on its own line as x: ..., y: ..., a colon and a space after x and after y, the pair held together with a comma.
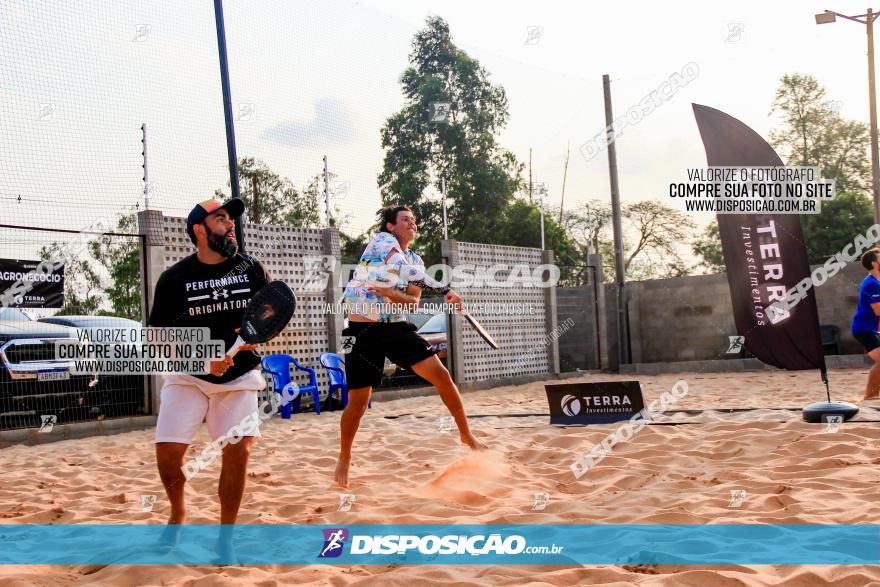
x: 433, y: 545
x: 334, y: 540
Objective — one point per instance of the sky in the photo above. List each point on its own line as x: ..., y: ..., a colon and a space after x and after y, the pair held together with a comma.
x: 313, y: 78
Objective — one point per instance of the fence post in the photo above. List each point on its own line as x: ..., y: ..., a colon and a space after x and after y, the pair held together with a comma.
x: 334, y: 291
x: 152, y: 264
x: 635, y: 329
x: 611, y: 332
x: 550, y: 315
x: 455, y: 357
x: 594, y: 261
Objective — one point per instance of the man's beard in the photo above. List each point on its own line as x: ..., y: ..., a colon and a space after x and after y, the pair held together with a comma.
x: 223, y: 244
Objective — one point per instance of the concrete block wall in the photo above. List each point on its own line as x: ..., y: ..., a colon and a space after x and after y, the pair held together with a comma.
x: 680, y: 319
x: 690, y: 318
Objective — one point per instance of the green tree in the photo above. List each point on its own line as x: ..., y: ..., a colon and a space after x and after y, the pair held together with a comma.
x: 481, y: 176
x: 278, y: 201
x: 825, y: 234
x: 653, y: 234
x: 307, y: 211
x: 351, y: 247
x: 119, y: 257
x: 708, y: 248
x: 108, y: 275
x: 840, y: 220
x: 657, y: 233
x: 83, y: 294
x: 814, y: 134
x: 520, y: 226
x: 589, y: 224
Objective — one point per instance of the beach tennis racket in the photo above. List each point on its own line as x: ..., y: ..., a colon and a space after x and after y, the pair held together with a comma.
x: 480, y: 330
x: 268, y: 312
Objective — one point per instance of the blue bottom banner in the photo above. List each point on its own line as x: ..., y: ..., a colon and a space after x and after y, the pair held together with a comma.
x: 469, y: 544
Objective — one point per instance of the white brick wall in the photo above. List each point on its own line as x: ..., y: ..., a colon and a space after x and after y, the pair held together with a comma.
x: 518, y: 335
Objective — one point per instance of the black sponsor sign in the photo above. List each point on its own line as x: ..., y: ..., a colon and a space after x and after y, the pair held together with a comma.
x: 764, y: 254
x: 23, y: 285
x: 594, y: 403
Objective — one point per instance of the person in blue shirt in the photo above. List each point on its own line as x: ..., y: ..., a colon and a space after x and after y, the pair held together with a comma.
x: 864, y: 324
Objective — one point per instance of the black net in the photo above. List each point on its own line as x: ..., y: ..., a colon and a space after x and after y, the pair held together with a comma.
x: 110, y: 110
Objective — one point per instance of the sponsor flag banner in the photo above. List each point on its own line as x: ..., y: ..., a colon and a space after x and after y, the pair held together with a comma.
x: 594, y: 403
x: 764, y: 254
x: 28, y: 287
x: 435, y: 544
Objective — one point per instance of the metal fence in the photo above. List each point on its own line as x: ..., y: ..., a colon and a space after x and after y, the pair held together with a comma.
x: 98, y: 278
x: 108, y: 279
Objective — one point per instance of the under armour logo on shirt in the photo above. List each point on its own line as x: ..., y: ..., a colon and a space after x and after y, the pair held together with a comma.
x: 223, y: 293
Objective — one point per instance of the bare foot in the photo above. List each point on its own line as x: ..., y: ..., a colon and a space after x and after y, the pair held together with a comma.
x: 224, y: 547
x: 171, y: 533
x: 341, y: 474
x: 472, y: 441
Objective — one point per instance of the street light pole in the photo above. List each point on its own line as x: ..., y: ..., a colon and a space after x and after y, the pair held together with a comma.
x: 541, y: 207
x: 623, y: 346
x: 827, y: 17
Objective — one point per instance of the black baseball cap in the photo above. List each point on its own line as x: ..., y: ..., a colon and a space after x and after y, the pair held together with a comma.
x: 234, y: 206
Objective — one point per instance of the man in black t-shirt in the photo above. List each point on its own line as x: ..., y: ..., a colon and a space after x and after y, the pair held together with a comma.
x: 211, y: 289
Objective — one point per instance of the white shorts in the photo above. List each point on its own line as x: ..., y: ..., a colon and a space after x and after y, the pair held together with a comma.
x: 186, y: 401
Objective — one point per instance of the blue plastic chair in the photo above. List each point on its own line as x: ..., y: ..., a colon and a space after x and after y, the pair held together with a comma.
x: 278, y: 366
x: 335, y: 366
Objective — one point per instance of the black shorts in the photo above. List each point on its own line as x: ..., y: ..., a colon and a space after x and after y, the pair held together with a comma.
x: 376, y: 340
x: 869, y: 340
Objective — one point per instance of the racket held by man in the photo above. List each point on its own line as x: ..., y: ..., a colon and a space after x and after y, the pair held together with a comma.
x: 267, y: 314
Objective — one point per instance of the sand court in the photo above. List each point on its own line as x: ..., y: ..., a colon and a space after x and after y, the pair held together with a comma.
x: 738, y: 467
